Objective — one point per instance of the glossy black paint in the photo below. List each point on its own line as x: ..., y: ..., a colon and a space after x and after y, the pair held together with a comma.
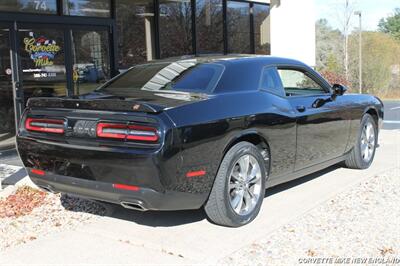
x: 303, y: 133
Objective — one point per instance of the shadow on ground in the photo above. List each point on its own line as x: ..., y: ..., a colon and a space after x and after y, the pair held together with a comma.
x: 300, y: 181
x: 168, y: 218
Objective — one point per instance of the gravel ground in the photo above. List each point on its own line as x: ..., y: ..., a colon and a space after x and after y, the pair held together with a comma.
x: 363, y: 222
x: 58, y: 213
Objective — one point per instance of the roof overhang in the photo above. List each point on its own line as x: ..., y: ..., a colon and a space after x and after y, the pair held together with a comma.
x: 261, y: 1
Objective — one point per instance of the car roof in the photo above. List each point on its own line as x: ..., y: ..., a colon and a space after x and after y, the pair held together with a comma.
x: 242, y: 72
x: 232, y: 59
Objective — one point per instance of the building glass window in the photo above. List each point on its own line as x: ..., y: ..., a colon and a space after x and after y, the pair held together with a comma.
x: 91, y: 59
x: 42, y: 59
x: 261, y: 29
x: 238, y: 27
x: 38, y: 6
x: 7, y: 122
x: 135, y: 31
x: 209, y: 26
x: 175, y: 28
x: 90, y: 8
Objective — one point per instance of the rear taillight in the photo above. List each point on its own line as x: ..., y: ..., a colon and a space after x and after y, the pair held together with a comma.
x: 127, y: 132
x: 45, y: 125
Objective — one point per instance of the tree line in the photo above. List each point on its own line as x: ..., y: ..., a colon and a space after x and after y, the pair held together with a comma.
x: 381, y: 56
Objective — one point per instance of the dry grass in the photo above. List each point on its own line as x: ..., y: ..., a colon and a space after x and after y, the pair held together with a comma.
x: 392, y: 95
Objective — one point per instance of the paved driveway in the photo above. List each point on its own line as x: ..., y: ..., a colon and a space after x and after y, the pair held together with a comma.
x: 392, y: 115
x: 187, y: 237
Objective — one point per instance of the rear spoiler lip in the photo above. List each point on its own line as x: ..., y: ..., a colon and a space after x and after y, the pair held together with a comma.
x: 94, y: 104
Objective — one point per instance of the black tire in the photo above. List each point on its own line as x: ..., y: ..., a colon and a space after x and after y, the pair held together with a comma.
x: 355, y: 159
x: 218, y: 207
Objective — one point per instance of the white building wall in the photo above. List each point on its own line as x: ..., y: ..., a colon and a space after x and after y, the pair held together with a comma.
x: 293, y: 29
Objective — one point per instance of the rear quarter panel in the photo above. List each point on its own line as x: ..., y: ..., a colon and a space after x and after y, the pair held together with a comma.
x: 207, y: 128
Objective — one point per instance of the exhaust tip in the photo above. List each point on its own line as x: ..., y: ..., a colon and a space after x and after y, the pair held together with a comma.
x: 48, y: 189
x: 136, y: 205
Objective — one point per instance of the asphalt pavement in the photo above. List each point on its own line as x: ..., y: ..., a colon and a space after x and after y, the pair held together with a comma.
x: 391, y: 118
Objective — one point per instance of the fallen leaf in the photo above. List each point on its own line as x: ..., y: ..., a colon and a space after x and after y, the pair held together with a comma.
x: 311, y: 253
x: 386, y: 250
x: 22, y: 202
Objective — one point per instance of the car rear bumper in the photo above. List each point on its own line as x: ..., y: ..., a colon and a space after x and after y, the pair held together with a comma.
x: 93, y: 172
x: 140, y: 199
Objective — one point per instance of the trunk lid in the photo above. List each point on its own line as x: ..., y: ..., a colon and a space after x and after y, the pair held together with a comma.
x: 144, y: 101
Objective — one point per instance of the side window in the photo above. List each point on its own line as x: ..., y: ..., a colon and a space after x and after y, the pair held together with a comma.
x: 270, y: 81
x: 296, y: 82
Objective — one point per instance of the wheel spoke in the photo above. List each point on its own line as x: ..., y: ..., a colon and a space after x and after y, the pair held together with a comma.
x: 370, y: 151
x: 238, y: 201
x: 254, y: 171
x: 254, y: 179
x: 366, y: 152
x: 370, y: 130
x: 248, y: 197
x: 363, y: 147
x: 235, y: 198
x: 236, y: 175
x: 371, y: 138
x: 233, y: 186
x: 250, y: 193
x: 244, y: 163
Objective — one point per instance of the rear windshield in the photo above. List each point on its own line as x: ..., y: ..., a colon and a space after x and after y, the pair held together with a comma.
x: 178, y: 76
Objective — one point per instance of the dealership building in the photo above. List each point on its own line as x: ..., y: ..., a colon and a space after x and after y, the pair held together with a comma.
x: 53, y: 48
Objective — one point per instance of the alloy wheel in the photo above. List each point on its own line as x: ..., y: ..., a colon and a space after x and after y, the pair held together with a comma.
x: 245, y: 185
x: 367, y: 143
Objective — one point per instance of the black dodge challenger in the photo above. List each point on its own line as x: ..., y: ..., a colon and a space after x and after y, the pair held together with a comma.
x: 210, y: 132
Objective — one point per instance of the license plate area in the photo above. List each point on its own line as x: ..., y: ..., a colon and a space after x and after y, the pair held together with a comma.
x: 83, y: 129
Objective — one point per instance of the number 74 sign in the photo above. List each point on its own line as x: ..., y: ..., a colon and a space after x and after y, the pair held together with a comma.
x: 40, y: 4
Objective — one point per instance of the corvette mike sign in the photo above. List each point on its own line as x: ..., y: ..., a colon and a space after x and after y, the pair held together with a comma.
x: 42, y: 50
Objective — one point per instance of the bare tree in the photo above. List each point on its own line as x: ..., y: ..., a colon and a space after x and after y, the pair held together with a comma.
x: 345, y: 11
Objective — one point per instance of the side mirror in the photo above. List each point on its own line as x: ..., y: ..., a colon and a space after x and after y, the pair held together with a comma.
x: 338, y: 89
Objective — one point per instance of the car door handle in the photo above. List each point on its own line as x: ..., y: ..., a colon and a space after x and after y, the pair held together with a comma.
x: 301, y: 108
x: 321, y: 102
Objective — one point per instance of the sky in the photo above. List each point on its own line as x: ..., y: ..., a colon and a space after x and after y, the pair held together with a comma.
x: 372, y: 11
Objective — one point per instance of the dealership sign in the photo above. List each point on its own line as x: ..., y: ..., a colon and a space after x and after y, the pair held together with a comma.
x: 41, y: 50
